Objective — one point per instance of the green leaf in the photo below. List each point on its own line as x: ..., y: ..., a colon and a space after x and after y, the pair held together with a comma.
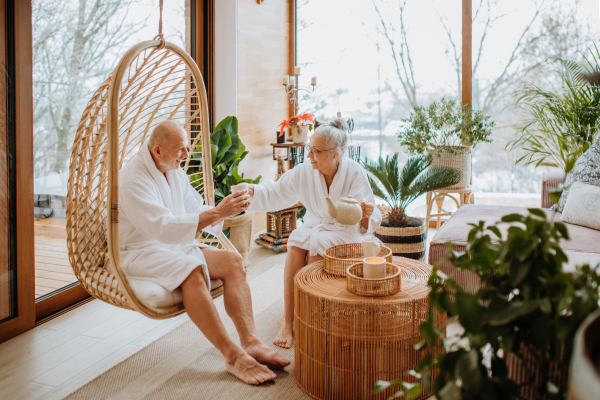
x: 468, y: 370
x: 222, y: 140
x: 470, y: 312
x: 450, y: 392
x: 428, y: 331
x: 513, y: 311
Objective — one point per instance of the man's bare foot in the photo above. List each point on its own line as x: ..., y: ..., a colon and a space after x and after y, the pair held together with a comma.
x: 285, y: 337
x: 248, y: 370
x: 264, y: 355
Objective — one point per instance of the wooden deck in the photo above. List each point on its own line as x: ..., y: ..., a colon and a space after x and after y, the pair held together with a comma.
x: 52, y: 267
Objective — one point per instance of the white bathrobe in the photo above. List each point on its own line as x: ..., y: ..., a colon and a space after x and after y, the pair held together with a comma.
x: 158, y: 219
x: 307, y: 185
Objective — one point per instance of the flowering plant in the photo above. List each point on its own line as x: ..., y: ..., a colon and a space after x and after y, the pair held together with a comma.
x: 298, y: 120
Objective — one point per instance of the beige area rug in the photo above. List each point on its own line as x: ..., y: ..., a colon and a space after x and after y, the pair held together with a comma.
x: 183, y: 364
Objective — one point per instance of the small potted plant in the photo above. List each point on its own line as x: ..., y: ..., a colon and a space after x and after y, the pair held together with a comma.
x: 448, y: 131
x: 406, y: 236
x: 518, y: 327
x: 227, y: 151
x: 298, y: 126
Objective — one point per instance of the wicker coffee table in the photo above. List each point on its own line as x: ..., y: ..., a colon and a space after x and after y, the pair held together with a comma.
x: 345, y: 343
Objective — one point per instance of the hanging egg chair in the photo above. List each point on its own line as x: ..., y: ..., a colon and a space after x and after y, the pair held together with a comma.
x: 153, y: 82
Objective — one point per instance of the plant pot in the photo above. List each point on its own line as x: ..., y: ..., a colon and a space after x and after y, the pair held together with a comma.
x: 240, y: 234
x: 299, y: 133
x: 460, y: 161
x: 409, y: 242
x: 584, y: 379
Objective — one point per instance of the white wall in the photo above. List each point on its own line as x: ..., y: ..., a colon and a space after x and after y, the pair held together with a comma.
x: 225, y: 59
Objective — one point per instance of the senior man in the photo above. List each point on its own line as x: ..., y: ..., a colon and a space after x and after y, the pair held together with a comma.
x: 160, y: 215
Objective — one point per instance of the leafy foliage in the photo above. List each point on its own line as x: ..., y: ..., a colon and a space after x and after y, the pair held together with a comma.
x: 227, y: 151
x: 561, y: 126
x: 400, y: 188
x: 445, y: 126
x: 526, y: 303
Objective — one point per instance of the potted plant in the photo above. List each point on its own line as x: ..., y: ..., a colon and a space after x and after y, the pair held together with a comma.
x: 448, y: 131
x: 406, y: 236
x: 519, y: 326
x: 299, y: 126
x: 227, y: 151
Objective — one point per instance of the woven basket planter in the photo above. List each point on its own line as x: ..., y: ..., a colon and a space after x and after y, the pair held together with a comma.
x: 460, y: 162
x: 240, y: 234
x: 299, y: 133
x: 409, y: 242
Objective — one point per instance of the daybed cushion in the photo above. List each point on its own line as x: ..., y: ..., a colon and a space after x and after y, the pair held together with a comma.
x: 582, y: 248
x: 583, y: 206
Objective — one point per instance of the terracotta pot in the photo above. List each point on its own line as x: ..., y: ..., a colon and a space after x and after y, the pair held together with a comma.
x: 584, y: 378
x: 460, y: 161
x: 409, y: 242
x: 240, y: 234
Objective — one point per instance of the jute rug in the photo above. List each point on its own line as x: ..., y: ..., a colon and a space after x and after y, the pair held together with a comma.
x: 183, y: 364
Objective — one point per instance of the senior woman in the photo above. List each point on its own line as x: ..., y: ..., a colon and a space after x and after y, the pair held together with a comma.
x: 327, y: 172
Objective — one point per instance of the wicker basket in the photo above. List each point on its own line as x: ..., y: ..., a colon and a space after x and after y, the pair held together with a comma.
x: 299, y: 133
x: 460, y: 162
x: 339, y: 258
x: 409, y: 242
x: 357, y: 284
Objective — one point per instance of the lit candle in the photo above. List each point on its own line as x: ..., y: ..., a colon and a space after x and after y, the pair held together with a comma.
x: 286, y: 80
x: 313, y: 81
x: 374, y: 268
x: 292, y: 80
x: 297, y: 71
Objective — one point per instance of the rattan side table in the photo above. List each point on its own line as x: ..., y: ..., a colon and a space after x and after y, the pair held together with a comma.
x: 345, y: 342
x: 465, y: 196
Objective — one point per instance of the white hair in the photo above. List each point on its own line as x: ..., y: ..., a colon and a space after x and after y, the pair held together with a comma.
x: 336, y: 135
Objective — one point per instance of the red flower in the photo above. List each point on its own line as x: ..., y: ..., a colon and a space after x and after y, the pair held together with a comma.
x: 296, y: 120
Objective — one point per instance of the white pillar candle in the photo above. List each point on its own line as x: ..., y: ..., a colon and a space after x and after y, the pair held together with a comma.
x: 374, y: 268
x: 313, y: 81
x: 292, y: 80
x: 297, y: 71
x: 286, y: 79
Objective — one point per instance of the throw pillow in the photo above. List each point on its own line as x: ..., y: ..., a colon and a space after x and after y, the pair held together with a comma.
x: 583, y: 206
x: 586, y: 170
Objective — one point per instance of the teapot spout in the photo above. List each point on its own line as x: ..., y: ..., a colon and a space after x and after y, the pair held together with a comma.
x: 332, y: 208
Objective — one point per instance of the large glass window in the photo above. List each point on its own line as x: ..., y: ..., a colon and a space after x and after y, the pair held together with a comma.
x: 76, y: 45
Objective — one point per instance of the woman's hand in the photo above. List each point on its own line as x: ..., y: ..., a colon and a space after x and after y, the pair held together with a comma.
x: 367, y: 211
x: 234, y: 204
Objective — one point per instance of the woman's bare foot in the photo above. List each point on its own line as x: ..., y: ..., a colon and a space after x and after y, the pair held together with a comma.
x: 285, y: 337
x: 248, y: 370
x: 264, y: 355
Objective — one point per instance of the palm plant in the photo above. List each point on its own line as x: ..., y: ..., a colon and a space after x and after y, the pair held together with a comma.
x: 562, y: 125
x: 402, y: 187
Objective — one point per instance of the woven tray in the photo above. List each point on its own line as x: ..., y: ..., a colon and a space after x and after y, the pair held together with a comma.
x: 373, y: 287
x: 339, y: 258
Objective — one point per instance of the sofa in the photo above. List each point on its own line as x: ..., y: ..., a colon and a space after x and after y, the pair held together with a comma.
x: 582, y: 247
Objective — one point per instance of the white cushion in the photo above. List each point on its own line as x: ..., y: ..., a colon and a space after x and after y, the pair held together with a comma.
x: 583, y: 206
x: 157, y: 296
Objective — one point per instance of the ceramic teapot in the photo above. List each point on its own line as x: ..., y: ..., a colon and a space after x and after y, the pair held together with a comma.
x: 346, y: 210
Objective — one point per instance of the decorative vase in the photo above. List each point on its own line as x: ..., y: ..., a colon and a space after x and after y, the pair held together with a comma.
x: 460, y: 161
x: 240, y: 234
x: 584, y: 377
x: 409, y: 242
x: 299, y: 133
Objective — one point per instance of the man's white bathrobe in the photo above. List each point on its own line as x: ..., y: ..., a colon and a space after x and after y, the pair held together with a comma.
x: 307, y: 185
x: 158, y: 219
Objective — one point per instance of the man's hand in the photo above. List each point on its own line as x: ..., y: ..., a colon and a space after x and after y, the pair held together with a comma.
x: 233, y: 204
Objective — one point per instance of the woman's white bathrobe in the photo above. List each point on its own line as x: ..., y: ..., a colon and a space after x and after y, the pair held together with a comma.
x: 307, y: 185
x: 158, y: 221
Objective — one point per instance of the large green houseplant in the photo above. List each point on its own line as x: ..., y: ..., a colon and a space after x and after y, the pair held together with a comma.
x: 399, y: 188
x: 527, y: 305
x: 448, y: 131
x: 562, y: 124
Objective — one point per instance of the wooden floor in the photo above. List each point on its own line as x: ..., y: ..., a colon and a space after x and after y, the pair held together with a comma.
x: 52, y: 267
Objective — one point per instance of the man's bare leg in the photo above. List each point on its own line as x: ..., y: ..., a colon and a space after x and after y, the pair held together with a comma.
x: 294, y: 262
x: 201, y: 309
x: 229, y: 267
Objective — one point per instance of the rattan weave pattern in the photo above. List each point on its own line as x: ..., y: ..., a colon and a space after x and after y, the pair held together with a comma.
x: 345, y: 342
x: 390, y: 285
x: 338, y: 258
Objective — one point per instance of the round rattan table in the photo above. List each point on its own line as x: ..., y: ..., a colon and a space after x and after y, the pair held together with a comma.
x: 344, y: 343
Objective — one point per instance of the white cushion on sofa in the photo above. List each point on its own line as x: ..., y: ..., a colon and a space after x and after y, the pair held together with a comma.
x: 583, y: 206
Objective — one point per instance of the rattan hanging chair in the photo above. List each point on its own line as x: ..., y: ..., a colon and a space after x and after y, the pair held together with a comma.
x: 154, y: 81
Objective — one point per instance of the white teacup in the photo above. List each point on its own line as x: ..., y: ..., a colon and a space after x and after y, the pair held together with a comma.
x: 240, y: 187
x: 374, y: 268
x: 371, y: 247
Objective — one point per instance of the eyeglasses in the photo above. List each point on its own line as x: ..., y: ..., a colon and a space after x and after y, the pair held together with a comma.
x: 315, y: 152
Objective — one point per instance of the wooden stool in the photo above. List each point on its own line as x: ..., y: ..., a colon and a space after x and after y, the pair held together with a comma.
x: 465, y: 196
